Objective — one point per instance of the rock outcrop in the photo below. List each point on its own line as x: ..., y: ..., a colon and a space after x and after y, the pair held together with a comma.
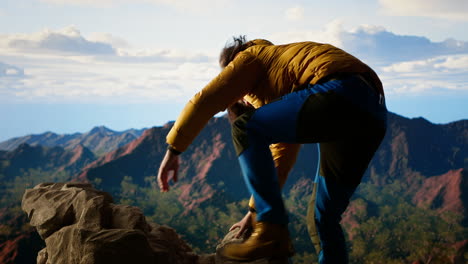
x: 82, y: 225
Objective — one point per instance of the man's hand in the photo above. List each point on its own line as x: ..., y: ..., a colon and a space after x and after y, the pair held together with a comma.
x: 169, y: 167
x: 243, y: 224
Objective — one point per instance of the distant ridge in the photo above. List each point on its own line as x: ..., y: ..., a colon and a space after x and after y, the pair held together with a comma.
x: 99, y: 140
x: 44, y: 159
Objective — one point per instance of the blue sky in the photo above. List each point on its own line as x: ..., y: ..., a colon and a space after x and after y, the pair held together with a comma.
x: 69, y: 65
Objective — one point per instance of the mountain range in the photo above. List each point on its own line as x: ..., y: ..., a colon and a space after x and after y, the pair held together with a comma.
x: 99, y: 140
x: 414, y: 152
x: 418, y: 161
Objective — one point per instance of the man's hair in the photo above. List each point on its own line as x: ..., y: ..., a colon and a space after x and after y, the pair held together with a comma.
x: 231, y: 49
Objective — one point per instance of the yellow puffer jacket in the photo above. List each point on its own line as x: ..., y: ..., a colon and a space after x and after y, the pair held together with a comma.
x: 261, y: 74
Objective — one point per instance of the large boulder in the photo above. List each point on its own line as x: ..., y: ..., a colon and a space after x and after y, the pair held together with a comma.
x: 81, y: 225
x: 51, y: 206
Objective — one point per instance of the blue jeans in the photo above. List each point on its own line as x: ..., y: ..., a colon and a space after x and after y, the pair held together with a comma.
x: 346, y: 117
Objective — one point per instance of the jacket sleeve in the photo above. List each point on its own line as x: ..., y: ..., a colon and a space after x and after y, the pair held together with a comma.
x: 236, y: 80
x: 284, y: 156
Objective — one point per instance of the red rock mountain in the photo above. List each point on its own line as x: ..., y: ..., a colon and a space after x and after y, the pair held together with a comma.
x: 430, y: 158
x: 445, y: 193
x: 45, y: 159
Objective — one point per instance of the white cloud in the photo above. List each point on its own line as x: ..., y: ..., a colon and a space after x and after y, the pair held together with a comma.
x: 107, y: 82
x: 422, y: 86
x: 200, y: 6
x: 376, y: 45
x: 454, y: 63
x: 447, y: 9
x: 432, y: 75
x: 97, y: 3
x: 409, y: 66
x: 160, y: 75
x: 79, y: 75
x: 114, y: 41
x: 439, y: 64
x: 7, y: 70
x: 162, y: 55
x: 295, y: 13
x: 12, y: 72
x: 331, y: 33
x: 381, y: 46
x: 67, y: 40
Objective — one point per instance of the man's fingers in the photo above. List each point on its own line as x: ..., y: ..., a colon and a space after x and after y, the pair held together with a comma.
x: 162, y: 181
x: 241, y: 227
x: 240, y: 232
x: 162, y: 185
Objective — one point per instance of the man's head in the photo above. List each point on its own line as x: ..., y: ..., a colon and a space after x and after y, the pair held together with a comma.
x: 238, y: 44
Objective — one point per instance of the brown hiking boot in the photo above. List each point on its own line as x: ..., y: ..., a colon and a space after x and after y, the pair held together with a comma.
x: 267, y: 240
